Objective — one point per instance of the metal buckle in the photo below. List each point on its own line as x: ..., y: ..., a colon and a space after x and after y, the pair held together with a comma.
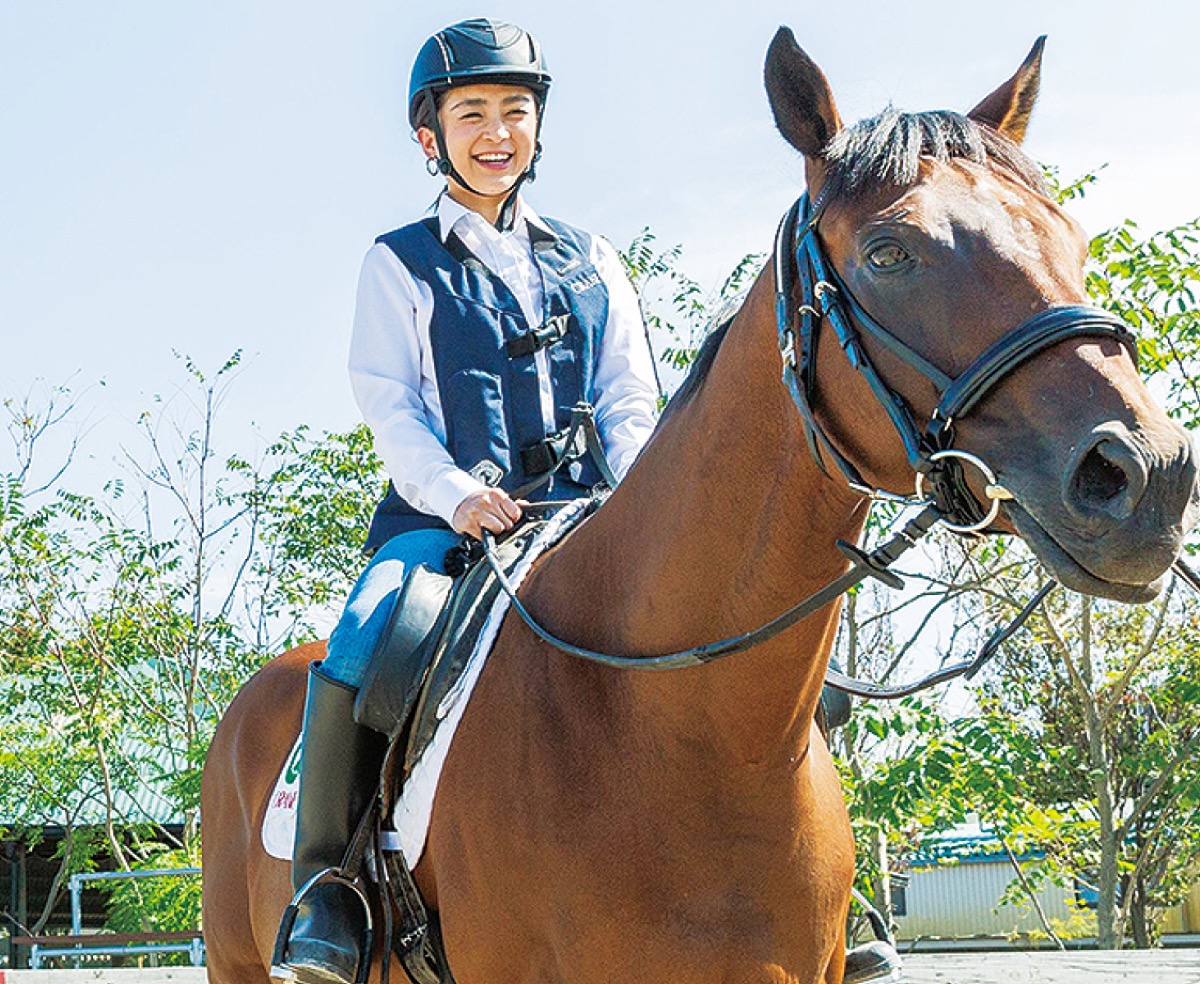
x: 994, y: 491
x: 787, y: 349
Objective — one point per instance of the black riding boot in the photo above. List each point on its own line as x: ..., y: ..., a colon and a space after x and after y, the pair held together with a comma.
x: 338, y: 774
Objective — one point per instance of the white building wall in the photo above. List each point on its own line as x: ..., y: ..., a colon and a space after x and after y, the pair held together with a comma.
x: 963, y: 900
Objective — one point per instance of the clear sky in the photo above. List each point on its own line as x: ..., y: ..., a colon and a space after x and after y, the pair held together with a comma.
x: 205, y: 177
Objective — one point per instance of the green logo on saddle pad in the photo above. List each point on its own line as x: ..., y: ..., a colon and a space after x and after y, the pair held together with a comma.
x: 291, y: 773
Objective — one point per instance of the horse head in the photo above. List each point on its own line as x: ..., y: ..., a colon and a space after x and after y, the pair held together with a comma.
x: 939, y: 227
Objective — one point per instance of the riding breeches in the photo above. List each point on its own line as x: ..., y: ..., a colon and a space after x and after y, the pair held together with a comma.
x: 353, y: 641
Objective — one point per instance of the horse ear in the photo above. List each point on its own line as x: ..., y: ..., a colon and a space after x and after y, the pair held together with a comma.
x: 1007, y: 110
x: 800, y: 96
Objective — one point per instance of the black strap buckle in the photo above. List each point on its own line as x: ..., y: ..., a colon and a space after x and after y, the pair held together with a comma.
x: 551, y: 333
x: 548, y: 453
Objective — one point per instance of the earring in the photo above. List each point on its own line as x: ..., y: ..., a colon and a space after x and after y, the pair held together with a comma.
x: 433, y: 166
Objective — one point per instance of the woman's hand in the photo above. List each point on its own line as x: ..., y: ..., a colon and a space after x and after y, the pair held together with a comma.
x: 488, y: 509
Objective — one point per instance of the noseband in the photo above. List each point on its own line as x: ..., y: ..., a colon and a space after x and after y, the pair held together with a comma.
x: 799, y: 259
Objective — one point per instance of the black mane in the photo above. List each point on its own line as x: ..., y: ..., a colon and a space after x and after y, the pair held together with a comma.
x: 698, y: 373
x: 886, y: 150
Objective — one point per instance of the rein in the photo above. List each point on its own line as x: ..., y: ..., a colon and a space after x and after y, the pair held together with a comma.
x: 799, y: 260
x: 874, y: 564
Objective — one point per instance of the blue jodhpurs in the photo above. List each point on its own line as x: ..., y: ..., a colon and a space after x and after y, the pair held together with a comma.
x: 353, y: 641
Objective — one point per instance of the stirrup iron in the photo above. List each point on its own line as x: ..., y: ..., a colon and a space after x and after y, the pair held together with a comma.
x: 280, y: 971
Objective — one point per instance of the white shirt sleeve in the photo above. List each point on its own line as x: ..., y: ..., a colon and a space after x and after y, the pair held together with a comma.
x: 626, y: 391
x: 392, y: 376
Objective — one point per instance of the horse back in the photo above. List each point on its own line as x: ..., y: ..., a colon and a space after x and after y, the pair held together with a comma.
x: 247, y: 753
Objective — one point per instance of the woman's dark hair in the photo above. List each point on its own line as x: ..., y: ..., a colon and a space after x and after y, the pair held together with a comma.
x: 423, y: 116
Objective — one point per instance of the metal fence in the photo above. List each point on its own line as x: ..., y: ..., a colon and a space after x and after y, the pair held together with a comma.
x: 95, y: 945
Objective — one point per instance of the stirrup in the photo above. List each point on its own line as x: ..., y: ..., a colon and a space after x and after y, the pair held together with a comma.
x: 280, y: 970
x: 879, y: 959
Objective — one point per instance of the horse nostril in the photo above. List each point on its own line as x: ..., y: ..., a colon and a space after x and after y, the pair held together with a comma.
x: 1098, y: 479
x: 1109, y: 479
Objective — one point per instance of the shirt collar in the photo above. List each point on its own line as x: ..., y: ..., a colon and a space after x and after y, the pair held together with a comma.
x: 450, y: 213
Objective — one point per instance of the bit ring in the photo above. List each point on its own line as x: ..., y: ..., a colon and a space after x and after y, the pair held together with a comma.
x: 994, y: 491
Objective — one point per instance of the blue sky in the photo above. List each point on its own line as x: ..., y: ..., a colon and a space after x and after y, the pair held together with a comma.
x: 200, y: 178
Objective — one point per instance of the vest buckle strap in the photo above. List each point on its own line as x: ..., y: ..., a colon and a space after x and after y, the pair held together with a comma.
x: 551, y: 333
x: 546, y: 454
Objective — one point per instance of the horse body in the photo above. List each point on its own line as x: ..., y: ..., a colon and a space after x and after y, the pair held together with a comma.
x: 245, y: 890
x: 594, y: 824
x: 685, y: 826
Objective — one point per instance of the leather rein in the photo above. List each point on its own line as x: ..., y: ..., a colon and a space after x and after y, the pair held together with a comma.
x: 801, y: 266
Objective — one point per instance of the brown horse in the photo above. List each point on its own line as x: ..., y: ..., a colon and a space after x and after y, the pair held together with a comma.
x: 597, y: 824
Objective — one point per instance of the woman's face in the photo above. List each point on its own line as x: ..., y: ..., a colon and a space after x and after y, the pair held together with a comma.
x: 490, y: 133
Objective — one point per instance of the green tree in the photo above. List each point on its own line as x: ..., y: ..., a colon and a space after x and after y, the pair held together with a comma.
x: 1100, y: 720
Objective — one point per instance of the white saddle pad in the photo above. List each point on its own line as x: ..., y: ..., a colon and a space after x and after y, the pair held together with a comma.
x: 410, y: 819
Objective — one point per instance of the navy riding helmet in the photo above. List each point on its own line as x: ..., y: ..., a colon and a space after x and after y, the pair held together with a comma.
x: 475, y: 51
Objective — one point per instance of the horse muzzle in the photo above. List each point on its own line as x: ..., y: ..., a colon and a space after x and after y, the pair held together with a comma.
x: 1120, y: 512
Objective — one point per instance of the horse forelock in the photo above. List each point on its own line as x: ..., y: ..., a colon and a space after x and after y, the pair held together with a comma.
x: 887, y: 150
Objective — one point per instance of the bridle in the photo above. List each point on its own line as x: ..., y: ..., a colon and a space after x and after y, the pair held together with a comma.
x: 800, y: 261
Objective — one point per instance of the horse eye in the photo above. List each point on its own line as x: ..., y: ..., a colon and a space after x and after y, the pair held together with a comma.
x: 886, y: 256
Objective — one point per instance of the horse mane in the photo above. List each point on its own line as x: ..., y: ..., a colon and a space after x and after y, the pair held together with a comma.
x: 886, y: 150
x: 694, y: 381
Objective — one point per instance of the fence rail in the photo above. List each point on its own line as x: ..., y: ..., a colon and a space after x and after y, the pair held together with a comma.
x: 78, y: 944
x: 1073, y: 967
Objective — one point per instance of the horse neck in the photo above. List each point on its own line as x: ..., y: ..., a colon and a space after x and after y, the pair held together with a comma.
x: 724, y: 522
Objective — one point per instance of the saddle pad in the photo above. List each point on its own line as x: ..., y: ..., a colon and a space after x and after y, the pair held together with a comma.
x: 279, y: 822
x: 414, y: 807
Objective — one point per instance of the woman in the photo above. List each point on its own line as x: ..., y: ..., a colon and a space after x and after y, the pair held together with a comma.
x: 477, y: 331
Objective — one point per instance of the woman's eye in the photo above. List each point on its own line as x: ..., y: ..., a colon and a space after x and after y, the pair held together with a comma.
x: 885, y: 256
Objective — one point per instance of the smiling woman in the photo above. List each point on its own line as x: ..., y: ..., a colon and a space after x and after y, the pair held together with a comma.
x: 478, y: 332
x: 489, y: 133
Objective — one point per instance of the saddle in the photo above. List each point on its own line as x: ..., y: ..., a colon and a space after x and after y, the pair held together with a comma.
x: 431, y: 636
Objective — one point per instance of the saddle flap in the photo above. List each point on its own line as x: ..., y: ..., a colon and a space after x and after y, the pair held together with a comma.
x: 404, y: 652
x: 467, y: 612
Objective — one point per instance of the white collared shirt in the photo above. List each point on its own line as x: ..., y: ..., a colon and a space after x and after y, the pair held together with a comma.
x: 395, y: 383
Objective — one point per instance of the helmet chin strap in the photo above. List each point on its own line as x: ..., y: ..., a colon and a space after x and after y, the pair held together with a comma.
x: 446, y: 166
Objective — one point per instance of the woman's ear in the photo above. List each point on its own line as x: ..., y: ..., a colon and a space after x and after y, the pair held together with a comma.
x: 1007, y: 110
x: 428, y: 142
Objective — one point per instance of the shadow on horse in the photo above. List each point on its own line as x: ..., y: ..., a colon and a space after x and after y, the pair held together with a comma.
x: 596, y: 824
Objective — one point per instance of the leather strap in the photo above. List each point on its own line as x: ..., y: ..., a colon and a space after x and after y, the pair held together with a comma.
x: 1046, y: 328
x: 550, y: 454
x: 800, y: 262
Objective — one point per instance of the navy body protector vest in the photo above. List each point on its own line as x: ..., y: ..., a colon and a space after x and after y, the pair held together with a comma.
x: 484, y: 359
